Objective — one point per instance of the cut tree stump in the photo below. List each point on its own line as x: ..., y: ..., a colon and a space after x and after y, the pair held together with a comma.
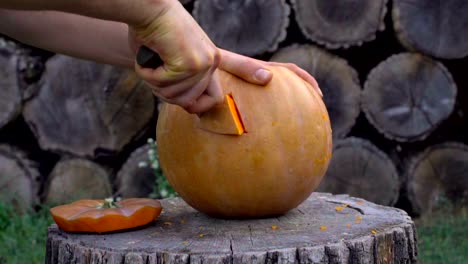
x: 88, y: 109
x: 19, y: 179
x: 436, y: 28
x: 338, y: 81
x: 73, y: 179
x: 340, y: 24
x: 10, y: 99
x: 315, y: 232
x: 436, y: 175
x: 136, y: 178
x: 360, y: 169
x: 248, y: 27
x: 407, y: 96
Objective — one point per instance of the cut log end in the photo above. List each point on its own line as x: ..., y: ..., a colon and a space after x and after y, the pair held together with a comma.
x: 360, y: 169
x: 360, y: 233
x: 340, y: 24
x: 435, y: 28
x: 74, y: 179
x: 407, y: 96
x: 338, y: 81
x: 10, y: 100
x: 19, y: 179
x: 248, y: 27
x: 136, y: 178
x: 88, y: 109
x: 436, y: 175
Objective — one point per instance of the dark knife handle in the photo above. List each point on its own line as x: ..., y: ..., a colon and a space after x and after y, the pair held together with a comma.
x: 147, y: 58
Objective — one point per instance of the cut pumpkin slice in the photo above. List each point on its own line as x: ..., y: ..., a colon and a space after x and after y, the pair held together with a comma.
x: 223, y: 119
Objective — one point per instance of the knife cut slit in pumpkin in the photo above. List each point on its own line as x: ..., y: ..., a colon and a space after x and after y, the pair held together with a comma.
x: 236, y: 114
x: 223, y: 119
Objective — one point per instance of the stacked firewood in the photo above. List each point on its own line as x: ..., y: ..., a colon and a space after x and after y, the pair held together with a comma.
x: 393, y: 75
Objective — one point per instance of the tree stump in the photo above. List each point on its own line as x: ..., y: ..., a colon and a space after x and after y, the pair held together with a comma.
x: 315, y: 232
x: 136, y: 178
x: 359, y: 168
x: 88, y: 109
x: 340, y: 24
x: 407, y: 96
x: 339, y: 83
x: 19, y: 179
x: 247, y: 27
x: 10, y: 100
x: 438, y: 174
x: 436, y: 28
x: 73, y: 179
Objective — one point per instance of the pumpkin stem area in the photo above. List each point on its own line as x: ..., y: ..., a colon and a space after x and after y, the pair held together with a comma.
x: 108, y: 203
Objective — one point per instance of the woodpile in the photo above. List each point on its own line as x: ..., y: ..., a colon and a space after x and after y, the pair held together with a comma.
x: 393, y: 74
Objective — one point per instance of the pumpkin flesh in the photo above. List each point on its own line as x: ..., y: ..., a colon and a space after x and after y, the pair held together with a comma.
x: 266, y: 171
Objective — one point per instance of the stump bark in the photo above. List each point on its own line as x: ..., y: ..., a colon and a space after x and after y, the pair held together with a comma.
x: 338, y: 81
x: 315, y: 232
x: 10, y: 101
x: 407, y: 96
x: 247, y: 27
x: 136, y: 178
x: 359, y: 168
x: 73, y: 179
x: 19, y: 179
x: 438, y: 174
x: 436, y: 28
x: 340, y: 24
x: 88, y: 109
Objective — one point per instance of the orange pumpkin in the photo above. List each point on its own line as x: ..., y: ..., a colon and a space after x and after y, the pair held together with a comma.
x: 271, y: 168
x: 99, y: 216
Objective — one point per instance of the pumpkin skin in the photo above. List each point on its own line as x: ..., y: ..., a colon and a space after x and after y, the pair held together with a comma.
x: 86, y: 216
x: 268, y: 170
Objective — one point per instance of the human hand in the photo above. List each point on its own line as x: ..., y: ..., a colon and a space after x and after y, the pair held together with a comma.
x: 255, y: 71
x: 190, y: 58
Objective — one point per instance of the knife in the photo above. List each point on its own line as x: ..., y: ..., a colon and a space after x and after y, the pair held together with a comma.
x: 221, y: 119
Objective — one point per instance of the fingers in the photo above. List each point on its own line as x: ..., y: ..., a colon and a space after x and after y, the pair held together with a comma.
x: 248, y: 69
x: 301, y: 73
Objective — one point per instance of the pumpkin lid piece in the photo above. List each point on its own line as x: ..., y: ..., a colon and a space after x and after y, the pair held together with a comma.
x: 99, y: 216
x: 223, y: 119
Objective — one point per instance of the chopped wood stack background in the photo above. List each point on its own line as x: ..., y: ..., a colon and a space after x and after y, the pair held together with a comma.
x: 393, y: 74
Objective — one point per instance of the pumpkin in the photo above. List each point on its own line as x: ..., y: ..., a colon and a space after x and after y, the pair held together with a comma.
x: 99, y: 216
x: 270, y: 169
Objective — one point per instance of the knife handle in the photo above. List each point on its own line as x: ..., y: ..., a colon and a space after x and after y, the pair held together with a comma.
x: 147, y: 58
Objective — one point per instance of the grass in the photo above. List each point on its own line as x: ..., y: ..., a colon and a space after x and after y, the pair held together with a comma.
x: 23, y: 237
x: 442, y: 236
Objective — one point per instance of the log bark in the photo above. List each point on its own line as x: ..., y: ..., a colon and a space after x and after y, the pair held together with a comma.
x: 340, y: 24
x: 338, y: 80
x: 19, y: 179
x: 10, y: 101
x: 74, y: 179
x: 315, y: 232
x: 88, y: 109
x: 359, y: 168
x: 247, y: 27
x: 438, y: 174
x: 436, y: 28
x: 136, y: 178
x: 407, y: 96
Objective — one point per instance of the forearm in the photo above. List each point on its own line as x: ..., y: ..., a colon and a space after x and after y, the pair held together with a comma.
x: 133, y: 12
x: 73, y: 35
